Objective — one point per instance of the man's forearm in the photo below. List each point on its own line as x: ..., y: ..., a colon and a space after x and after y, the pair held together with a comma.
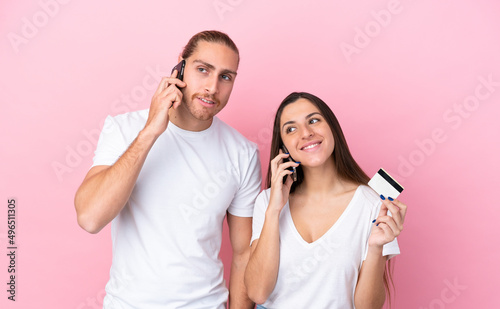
x: 238, y: 297
x: 262, y: 270
x: 104, y: 194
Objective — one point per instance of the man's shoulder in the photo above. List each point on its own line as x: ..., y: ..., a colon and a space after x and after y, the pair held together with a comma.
x: 126, y: 125
x: 131, y: 118
x: 229, y: 133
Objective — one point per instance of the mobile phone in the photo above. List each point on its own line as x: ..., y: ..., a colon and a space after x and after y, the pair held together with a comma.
x: 180, y: 69
x: 291, y: 169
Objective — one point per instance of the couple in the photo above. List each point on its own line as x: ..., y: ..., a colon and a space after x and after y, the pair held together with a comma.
x: 166, y: 178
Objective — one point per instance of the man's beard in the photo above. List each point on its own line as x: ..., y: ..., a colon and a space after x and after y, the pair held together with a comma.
x: 200, y: 112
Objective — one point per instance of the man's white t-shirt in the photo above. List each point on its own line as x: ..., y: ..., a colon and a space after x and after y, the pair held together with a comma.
x: 167, y: 238
x: 324, y: 273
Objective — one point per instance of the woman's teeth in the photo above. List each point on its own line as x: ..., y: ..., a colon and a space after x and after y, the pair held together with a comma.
x: 311, y: 146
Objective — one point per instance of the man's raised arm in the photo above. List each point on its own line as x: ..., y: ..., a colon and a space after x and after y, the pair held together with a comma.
x: 106, y: 189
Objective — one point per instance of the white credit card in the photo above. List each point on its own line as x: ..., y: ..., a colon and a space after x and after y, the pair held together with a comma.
x: 385, y: 185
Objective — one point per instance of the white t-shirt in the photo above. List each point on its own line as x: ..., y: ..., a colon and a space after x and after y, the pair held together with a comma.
x: 167, y: 238
x: 324, y: 273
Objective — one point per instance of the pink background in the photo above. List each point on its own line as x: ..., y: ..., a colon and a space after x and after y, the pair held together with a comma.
x: 405, y: 78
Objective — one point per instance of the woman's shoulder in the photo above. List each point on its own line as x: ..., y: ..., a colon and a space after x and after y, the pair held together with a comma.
x: 369, y: 195
x: 264, y: 196
x: 262, y: 202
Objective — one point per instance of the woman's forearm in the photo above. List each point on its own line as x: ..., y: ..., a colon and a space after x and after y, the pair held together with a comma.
x: 370, y: 289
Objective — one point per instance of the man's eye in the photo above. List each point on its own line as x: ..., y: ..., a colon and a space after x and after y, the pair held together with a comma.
x: 203, y: 70
x: 226, y: 77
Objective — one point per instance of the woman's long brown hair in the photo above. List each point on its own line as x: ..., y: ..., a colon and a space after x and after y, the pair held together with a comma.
x: 346, y: 167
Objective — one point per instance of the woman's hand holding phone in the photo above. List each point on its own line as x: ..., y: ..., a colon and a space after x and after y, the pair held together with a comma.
x: 280, y: 190
x: 167, y: 95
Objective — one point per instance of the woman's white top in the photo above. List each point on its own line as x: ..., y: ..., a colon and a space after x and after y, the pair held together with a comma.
x: 324, y: 273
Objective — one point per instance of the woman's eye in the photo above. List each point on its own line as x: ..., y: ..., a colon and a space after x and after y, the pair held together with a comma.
x: 289, y: 129
x: 314, y: 120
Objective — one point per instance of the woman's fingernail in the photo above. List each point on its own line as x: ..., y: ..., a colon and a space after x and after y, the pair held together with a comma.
x: 297, y: 162
x: 377, y: 224
x: 382, y: 197
x: 390, y: 199
x: 374, y: 220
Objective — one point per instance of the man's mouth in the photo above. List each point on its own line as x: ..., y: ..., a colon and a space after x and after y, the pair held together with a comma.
x: 206, y: 101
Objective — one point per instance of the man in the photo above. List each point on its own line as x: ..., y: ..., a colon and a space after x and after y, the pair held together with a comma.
x: 165, y: 178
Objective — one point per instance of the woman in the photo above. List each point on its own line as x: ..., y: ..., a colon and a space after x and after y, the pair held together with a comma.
x: 323, y: 240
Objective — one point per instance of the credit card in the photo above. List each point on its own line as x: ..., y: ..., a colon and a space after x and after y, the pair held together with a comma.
x: 385, y: 185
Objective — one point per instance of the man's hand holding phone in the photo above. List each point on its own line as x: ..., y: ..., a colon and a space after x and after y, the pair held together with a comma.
x: 166, y: 96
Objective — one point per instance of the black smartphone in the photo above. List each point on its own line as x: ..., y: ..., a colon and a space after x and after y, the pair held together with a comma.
x: 291, y: 169
x: 180, y: 69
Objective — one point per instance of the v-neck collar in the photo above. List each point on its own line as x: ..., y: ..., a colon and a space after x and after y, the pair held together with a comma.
x: 329, y: 231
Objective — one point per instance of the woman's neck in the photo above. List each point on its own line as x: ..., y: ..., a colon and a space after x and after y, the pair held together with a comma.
x: 323, y: 181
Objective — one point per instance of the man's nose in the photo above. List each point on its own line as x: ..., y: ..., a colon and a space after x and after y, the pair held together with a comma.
x: 212, y: 85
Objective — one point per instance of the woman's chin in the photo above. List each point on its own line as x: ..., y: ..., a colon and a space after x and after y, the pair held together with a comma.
x: 315, y: 163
